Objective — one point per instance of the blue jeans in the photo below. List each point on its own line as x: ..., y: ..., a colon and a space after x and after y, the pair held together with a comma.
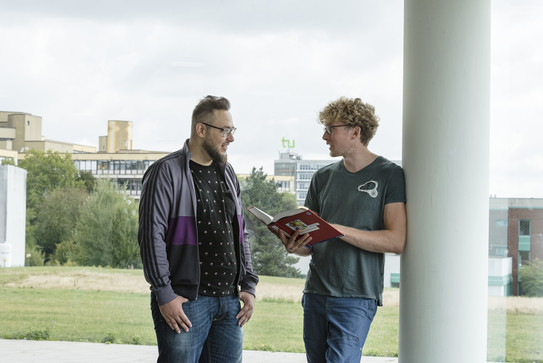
x: 335, y: 328
x: 215, y: 335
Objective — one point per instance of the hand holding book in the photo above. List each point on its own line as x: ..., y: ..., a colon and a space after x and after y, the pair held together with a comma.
x: 302, y: 219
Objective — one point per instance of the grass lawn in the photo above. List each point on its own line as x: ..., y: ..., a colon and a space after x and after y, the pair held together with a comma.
x: 76, y: 315
x: 33, y: 308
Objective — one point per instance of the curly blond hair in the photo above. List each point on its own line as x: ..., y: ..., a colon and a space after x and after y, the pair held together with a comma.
x: 352, y: 112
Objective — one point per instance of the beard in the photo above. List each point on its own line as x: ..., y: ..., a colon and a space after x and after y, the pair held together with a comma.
x: 213, y: 151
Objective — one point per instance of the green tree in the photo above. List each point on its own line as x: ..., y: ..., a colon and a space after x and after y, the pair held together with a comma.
x: 45, y: 173
x: 126, y: 252
x: 106, y: 232
x: 531, y: 279
x: 269, y: 255
x: 87, y: 179
x: 34, y: 257
x: 66, y: 252
x: 57, y: 216
x: 8, y: 162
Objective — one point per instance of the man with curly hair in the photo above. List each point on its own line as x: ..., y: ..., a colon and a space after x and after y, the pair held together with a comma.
x: 363, y: 196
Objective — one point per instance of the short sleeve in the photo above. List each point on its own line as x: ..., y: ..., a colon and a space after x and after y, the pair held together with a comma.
x: 396, y: 188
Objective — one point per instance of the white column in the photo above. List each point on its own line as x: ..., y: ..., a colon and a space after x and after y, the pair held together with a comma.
x: 443, y: 288
x: 13, y: 213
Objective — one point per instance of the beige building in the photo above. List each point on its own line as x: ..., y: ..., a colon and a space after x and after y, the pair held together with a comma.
x: 21, y: 131
x: 115, y: 159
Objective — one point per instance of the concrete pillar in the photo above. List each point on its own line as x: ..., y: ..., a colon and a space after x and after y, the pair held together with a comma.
x: 443, y: 288
x: 12, y: 214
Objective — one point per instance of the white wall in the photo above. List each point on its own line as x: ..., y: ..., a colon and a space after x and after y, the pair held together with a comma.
x: 13, y: 211
x: 499, y: 267
x: 392, y: 265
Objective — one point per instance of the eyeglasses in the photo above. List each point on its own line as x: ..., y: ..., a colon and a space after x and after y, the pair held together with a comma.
x: 226, y: 131
x: 330, y: 128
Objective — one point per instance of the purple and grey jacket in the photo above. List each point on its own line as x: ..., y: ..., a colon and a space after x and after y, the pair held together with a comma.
x: 168, y: 235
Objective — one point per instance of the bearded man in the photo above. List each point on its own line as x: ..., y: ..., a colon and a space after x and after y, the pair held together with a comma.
x: 194, y: 245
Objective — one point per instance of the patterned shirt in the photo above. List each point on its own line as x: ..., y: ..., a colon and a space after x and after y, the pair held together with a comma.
x: 215, y: 213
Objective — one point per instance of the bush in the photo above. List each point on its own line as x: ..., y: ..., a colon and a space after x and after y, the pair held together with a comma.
x: 531, y: 279
x: 36, y: 258
x: 109, y: 339
x: 31, y: 335
x: 65, y: 252
x: 106, y: 233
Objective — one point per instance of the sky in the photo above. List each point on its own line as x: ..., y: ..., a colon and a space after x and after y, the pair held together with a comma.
x: 78, y: 64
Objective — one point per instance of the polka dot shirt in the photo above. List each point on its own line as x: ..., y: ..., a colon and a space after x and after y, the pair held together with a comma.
x: 215, y: 213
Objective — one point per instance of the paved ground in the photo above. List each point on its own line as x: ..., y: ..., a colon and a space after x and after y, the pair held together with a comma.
x: 28, y: 351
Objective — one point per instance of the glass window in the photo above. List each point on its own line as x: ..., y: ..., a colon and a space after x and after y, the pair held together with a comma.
x: 501, y: 223
x: 523, y: 258
x: 524, y: 227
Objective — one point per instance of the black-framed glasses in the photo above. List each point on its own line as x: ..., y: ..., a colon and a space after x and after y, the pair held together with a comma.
x: 330, y: 128
x: 226, y: 131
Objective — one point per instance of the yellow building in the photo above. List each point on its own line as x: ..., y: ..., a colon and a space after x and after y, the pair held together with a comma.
x: 115, y: 158
x: 21, y: 131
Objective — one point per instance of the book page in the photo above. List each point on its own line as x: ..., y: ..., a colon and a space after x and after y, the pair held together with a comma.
x: 261, y: 215
x: 289, y: 213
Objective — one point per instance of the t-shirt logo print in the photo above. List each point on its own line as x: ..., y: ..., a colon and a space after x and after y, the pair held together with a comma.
x: 369, y: 187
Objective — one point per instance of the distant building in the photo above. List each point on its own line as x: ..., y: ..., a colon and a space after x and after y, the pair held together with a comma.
x: 292, y: 164
x: 21, y: 132
x: 516, y: 232
x: 115, y: 159
x: 515, y: 240
x: 284, y: 183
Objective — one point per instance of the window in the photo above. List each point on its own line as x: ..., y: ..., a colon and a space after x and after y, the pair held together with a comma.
x: 501, y: 223
x: 395, y: 279
x: 524, y: 241
x: 524, y: 227
x: 523, y: 258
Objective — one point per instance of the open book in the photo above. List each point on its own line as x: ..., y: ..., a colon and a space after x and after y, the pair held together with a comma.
x: 301, y: 218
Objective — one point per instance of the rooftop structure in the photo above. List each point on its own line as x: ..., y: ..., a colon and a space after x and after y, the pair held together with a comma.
x: 115, y: 159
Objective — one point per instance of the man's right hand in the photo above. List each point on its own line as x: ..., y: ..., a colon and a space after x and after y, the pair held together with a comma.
x: 295, y: 243
x: 174, y: 315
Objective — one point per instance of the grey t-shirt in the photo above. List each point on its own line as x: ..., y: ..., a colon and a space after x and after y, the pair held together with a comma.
x: 355, y: 200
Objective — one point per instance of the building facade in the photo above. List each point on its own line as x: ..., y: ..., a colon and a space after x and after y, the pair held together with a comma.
x: 515, y: 240
x: 114, y: 160
x: 292, y: 164
x: 516, y: 231
x: 20, y: 132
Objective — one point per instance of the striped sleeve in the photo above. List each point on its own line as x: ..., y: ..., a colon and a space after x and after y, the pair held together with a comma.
x: 154, y: 208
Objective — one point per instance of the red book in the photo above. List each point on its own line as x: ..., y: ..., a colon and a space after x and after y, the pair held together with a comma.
x: 300, y: 218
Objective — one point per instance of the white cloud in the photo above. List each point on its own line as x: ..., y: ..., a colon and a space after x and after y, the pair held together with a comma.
x: 517, y: 91
x: 80, y: 63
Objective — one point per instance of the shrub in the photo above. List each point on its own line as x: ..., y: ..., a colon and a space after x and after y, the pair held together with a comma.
x: 65, y: 252
x: 531, y: 279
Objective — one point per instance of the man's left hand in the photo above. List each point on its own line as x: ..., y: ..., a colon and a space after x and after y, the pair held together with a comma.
x: 247, y: 310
